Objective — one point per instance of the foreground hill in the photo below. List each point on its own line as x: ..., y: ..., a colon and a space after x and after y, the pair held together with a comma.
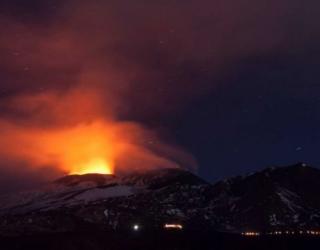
x: 85, y: 201
x: 273, y: 199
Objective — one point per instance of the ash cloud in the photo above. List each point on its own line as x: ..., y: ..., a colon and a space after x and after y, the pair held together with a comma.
x: 136, y: 60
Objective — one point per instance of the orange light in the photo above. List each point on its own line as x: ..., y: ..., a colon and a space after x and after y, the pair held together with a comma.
x: 96, y: 165
x: 173, y: 226
x: 87, y: 148
x: 74, y: 134
x: 251, y: 233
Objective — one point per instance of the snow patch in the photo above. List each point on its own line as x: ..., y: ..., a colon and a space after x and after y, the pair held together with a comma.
x: 273, y: 220
x: 98, y: 194
x: 288, y: 198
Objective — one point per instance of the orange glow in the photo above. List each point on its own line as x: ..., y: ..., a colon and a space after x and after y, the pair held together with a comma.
x: 251, y: 234
x: 173, y: 226
x: 101, y: 146
x: 80, y: 138
x: 85, y: 148
x: 88, y: 148
x: 96, y: 165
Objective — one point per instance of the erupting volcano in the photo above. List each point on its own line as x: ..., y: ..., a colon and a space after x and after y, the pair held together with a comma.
x: 96, y: 165
x: 79, y: 138
x: 85, y: 148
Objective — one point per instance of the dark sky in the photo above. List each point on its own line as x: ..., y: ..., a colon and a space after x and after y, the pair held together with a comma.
x: 233, y: 82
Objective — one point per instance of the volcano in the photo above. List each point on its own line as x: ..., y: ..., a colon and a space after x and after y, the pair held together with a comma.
x: 272, y: 199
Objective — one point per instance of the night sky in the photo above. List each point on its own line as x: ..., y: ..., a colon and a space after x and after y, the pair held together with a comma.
x: 235, y: 83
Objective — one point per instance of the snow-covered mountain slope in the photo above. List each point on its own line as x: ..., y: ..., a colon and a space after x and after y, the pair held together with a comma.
x: 65, y: 192
x: 275, y: 198
x: 103, y: 200
x: 73, y: 190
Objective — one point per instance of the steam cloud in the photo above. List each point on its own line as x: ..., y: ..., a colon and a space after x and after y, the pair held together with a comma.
x: 86, y: 64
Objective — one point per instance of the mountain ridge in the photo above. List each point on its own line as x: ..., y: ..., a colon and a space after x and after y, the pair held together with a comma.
x: 271, y: 199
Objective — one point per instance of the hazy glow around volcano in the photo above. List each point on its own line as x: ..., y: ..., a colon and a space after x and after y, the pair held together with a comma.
x: 96, y: 165
x: 79, y: 139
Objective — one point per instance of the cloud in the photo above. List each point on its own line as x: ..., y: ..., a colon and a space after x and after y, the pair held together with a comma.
x: 120, y: 62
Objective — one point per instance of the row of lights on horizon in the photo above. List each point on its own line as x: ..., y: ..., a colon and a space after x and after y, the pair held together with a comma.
x: 137, y: 227
x: 309, y: 232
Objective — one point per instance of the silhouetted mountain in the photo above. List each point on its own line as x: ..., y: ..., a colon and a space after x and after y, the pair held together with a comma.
x: 275, y: 198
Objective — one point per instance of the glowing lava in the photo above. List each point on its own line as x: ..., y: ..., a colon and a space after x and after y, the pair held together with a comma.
x: 100, y: 146
x: 81, y: 149
x: 80, y: 140
x: 97, y: 166
x: 86, y: 148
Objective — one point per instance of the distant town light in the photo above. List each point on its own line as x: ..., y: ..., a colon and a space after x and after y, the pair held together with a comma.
x: 251, y: 233
x: 136, y: 227
x: 279, y: 233
x: 173, y: 226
